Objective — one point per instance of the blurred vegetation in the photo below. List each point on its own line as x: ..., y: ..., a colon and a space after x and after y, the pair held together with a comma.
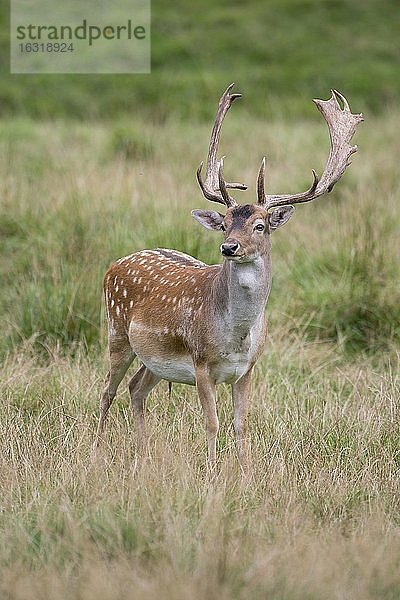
x: 280, y: 52
x: 75, y: 197
x: 129, y: 143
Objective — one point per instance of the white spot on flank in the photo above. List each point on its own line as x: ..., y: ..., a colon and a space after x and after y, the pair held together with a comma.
x: 111, y: 328
x: 125, y: 293
x: 112, y: 302
x: 117, y: 311
x: 131, y: 303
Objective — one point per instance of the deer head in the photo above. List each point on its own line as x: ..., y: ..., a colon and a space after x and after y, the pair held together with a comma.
x: 247, y: 227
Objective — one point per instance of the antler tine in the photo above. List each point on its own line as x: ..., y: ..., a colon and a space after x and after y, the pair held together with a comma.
x: 261, y: 183
x: 269, y: 201
x: 212, y: 188
x: 223, y: 185
x: 342, y: 125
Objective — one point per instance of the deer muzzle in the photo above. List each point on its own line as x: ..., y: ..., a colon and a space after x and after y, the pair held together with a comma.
x: 229, y: 248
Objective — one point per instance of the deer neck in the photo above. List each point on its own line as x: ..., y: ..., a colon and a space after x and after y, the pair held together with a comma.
x: 241, y: 292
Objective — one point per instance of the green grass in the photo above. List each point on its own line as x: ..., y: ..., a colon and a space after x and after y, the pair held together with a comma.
x: 317, y: 515
x: 280, y: 53
x: 88, y: 195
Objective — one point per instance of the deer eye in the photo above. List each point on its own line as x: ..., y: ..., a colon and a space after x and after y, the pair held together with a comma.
x: 259, y: 227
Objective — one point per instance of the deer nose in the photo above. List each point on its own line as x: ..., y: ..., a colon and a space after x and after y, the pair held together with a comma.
x: 229, y: 248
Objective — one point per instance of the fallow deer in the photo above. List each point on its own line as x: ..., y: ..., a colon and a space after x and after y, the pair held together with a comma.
x: 201, y: 324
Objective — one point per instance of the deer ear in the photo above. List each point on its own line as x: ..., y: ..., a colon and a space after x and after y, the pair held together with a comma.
x: 209, y: 219
x: 280, y: 216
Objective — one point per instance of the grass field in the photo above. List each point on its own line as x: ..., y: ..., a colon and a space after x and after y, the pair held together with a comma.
x: 279, y: 50
x: 317, y: 515
x: 95, y: 167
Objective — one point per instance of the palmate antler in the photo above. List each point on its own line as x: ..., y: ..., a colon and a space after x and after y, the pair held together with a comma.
x: 342, y: 126
x: 215, y: 187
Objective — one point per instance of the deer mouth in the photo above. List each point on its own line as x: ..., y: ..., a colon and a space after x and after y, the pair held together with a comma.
x: 240, y: 258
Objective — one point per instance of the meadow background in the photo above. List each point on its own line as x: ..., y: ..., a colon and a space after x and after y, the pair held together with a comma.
x: 95, y: 167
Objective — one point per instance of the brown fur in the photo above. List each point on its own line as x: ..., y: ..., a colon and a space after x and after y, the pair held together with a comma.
x: 164, y: 291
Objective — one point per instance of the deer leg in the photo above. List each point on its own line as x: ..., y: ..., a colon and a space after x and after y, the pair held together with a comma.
x: 207, y: 394
x: 240, y: 397
x: 120, y: 360
x: 140, y: 385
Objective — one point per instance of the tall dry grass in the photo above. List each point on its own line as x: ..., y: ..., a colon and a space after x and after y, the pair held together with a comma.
x: 316, y: 516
